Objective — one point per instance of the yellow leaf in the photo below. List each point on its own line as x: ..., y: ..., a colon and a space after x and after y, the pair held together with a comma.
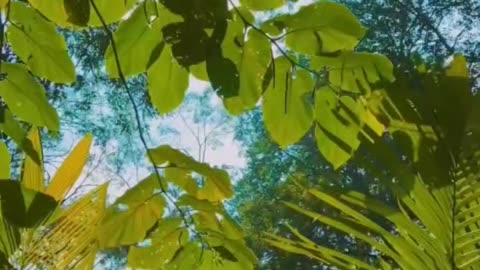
x: 32, y: 175
x: 70, y: 170
x: 72, y: 238
x: 3, y: 3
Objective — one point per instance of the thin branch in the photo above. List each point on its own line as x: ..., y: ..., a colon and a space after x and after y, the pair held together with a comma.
x: 425, y: 20
x: 137, y: 118
x: 272, y: 40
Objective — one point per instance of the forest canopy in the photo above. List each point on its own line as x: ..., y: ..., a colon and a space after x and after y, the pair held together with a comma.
x: 357, y: 122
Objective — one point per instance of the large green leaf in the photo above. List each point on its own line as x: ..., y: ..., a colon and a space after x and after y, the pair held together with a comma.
x: 336, y: 139
x: 127, y: 221
x: 188, y: 257
x: 38, y: 44
x: 286, y: 111
x: 26, y: 98
x: 321, y: 27
x: 354, y: 72
x: 251, y: 53
x: 262, y: 4
x: 4, y: 161
x: 167, y: 82
x: 217, y: 185
x: 67, y: 13
x: 138, y: 40
x: 13, y: 129
x: 162, y: 245
x: 182, y: 178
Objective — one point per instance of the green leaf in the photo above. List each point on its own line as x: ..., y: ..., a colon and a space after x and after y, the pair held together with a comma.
x: 4, y: 162
x: 286, y: 112
x: 262, y: 4
x: 9, y: 237
x: 222, y: 73
x: 188, y: 257
x: 199, y: 71
x: 353, y: 72
x: 206, y: 222
x: 235, y: 251
x: 11, y: 127
x: 212, y: 260
x: 167, y: 82
x: 24, y: 207
x: 78, y: 11
x: 189, y: 42
x: 67, y: 13
x: 165, y: 241
x: 322, y: 27
x: 252, y: 58
x: 138, y: 40
x: 231, y: 229
x: 200, y: 205
x: 26, y: 98
x: 337, y: 136
x: 38, y: 45
x: 182, y: 178
x: 127, y: 221
x: 217, y: 184
x: 111, y: 11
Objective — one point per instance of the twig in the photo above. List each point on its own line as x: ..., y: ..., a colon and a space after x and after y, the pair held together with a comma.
x: 137, y: 118
x: 272, y: 40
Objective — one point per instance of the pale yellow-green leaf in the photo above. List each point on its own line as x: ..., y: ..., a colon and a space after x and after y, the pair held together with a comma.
x: 337, y: 133
x: 33, y: 171
x: 231, y: 228
x: 11, y: 127
x: 201, y: 205
x: 37, y: 43
x: 127, y: 221
x: 164, y: 242
x: 355, y: 72
x: 252, y: 61
x: 199, y: 71
x: 167, y: 82
x: 111, y: 11
x: 26, y: 98
x: 139, y: 40
x: 189, y: 257
x: 182, y: 178
x: 319, y: 27
x: 286, y: 112
x: 4, y: 162
x: 212, y: 260
x: 262, y: 4
x: 217, y: 184
x: 206, y: 221
x: 70, y: 170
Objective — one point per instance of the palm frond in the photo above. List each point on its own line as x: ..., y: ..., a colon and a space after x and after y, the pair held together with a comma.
x: 430, y: 163
x: 79, y: 225
x: 32, y: 171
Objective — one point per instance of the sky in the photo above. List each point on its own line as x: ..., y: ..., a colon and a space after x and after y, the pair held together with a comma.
x: 228, y: 153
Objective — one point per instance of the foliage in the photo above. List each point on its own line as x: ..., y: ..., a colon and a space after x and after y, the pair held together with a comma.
x: 427, y: 162
x: 302, y: 66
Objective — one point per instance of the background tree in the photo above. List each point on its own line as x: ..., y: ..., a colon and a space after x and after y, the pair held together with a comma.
x: 404, y: 30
